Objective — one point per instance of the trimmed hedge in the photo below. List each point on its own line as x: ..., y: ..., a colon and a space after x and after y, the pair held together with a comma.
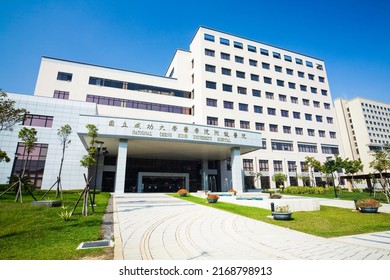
x: 307, y: 190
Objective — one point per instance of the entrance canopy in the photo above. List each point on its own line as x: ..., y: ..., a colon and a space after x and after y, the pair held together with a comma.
x: 155, y: 139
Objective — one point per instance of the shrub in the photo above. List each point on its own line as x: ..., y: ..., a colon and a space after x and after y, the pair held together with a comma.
x: 182, y: 192
x: 305, y: 190
x: 368, y: 202
x: 234, y: 192
x: 275, y: 196
x: 212, y: 196
x: 65, y: 214
x: 282, y: 209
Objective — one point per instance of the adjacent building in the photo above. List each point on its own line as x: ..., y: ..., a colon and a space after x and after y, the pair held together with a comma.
x: 227, y: 110
x: 364, y: 126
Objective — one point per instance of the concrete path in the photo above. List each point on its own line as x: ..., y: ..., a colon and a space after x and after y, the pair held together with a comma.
x: 159, y: 227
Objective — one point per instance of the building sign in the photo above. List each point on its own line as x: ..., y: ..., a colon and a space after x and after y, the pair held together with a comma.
x: 133, y: 128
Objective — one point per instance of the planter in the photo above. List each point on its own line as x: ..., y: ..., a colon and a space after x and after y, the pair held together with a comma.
x: 212, y: 200
x: 282, y: 216
x: 369, y: 209
x: 183, y: 194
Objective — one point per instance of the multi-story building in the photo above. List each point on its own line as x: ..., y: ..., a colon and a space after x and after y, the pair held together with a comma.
x: 364, y: 126
x: 226, y: 110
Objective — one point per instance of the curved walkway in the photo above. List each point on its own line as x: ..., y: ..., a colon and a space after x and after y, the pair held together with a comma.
x: 159, y: 227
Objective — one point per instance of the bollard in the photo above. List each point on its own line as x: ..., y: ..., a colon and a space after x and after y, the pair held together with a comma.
x: 272, y: 207
x: 355, y: 200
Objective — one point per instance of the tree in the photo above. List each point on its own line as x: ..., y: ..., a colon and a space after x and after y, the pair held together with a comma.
x: 279, y: 179
x: 312, y: 164
x: 29, y: 138
x: 87, y: 161
x: 352, y: 167
x: 9, y: 116
x: 381, y: 163
x: 332, y: 165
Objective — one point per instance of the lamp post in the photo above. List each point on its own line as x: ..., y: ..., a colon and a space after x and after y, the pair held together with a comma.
x: 99, y: 148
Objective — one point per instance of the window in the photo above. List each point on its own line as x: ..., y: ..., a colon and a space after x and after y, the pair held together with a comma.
x: 299, y: 130
x: 62, y: 76
x: 229, y: 123
x: 309, y: 64
x: 209, y: 37
x: 292, y: 166
x: 258, y: 109
x: 278, y: 69
x: 318, y: 118
x: 228, y: 105
x: 287, y: 130
x: 310, y: 132
x: 269, y: 95
x: 280, y: 83
x: 240, y: 74
x: 252, y: 48
x: 239, y: 59
x: 284, y: 113
x: 264, y: 52
x: 267, y: 80
x: 263, y: 165
x: 212, y: 121
x: 330, y: 150
x: 211, y: 85
x: 303, y: 87
x: 226, y: 71
x: 209, y: 52
x: 329, y: 119
x: 289, y: 71
x: 287, y: 58
x: 281, y: 146
x: 260, y: 126
x: 241, y: 90
x: 282, y: 97
x: 244, y: 125
x: 211, y: 102
x: 332, y: 134
x: 243, y: 107
x: 291, y: 85
x: 255, y: 77
x: 294, y: 100
x: 301, y: 74
x: 210, y: 68
x: 256, y: 92
x: 313, y: 90
x: 324, y: 92
x: 252, y: 62
x: 308, y: 117
x: 307, y: 148
x: 306, y: 102
x: 311, y: 77
x: 247, y: 164
x: 298, y: 61
x: 321, y: 79
x: 296, y: 115
x: 271, y: 111
x: 276, y: 55
x: 224, y: 41
x: 228, y: 88
x: 316, y: 104
x: 273, y: 127
x: 238, y: 45
x: 38, y: 120
x: 225, y: 56
x: 321, y: 133
x: 265, y: 65
x: 61, y: 94
x: 278, y: 166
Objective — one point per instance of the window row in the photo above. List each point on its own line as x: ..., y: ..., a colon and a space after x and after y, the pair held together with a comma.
x: 264, y: 65
x: 262, y: 51
x: 376, y: 107
x: 267, y: 80
x: 139, y: 105
x: 38, y: 120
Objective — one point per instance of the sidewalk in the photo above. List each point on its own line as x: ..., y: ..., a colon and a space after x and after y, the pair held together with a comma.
x: 159, y: 227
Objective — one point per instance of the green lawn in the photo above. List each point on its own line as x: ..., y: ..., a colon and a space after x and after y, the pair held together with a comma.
x: 328, y: 222
x: 38, y: 233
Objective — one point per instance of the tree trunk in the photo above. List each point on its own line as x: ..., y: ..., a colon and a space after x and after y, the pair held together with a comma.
x: 385, y: 188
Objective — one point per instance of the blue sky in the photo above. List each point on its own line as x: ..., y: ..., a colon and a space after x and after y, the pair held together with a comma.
x: 352, y: 37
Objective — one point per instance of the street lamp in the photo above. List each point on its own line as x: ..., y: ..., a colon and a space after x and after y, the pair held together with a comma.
x: 103, y: 150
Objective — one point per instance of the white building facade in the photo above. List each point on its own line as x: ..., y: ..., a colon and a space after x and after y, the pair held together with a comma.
x: 364, y: 126
x: 227, y: 110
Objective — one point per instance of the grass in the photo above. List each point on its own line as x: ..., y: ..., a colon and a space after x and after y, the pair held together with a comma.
x: 328, y: 222
x: 38, y: 233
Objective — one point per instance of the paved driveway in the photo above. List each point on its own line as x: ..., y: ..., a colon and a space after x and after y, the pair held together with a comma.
x: 159, y: 227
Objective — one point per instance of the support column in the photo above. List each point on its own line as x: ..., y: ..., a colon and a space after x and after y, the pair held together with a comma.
x: 237, y: 174
x: 205, y: 177
x: 120, y: 174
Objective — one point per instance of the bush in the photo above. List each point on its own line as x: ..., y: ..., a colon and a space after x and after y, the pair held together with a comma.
x: 305, y: 190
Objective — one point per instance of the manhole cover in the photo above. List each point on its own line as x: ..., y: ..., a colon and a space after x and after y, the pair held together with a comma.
x: 95, y: 244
